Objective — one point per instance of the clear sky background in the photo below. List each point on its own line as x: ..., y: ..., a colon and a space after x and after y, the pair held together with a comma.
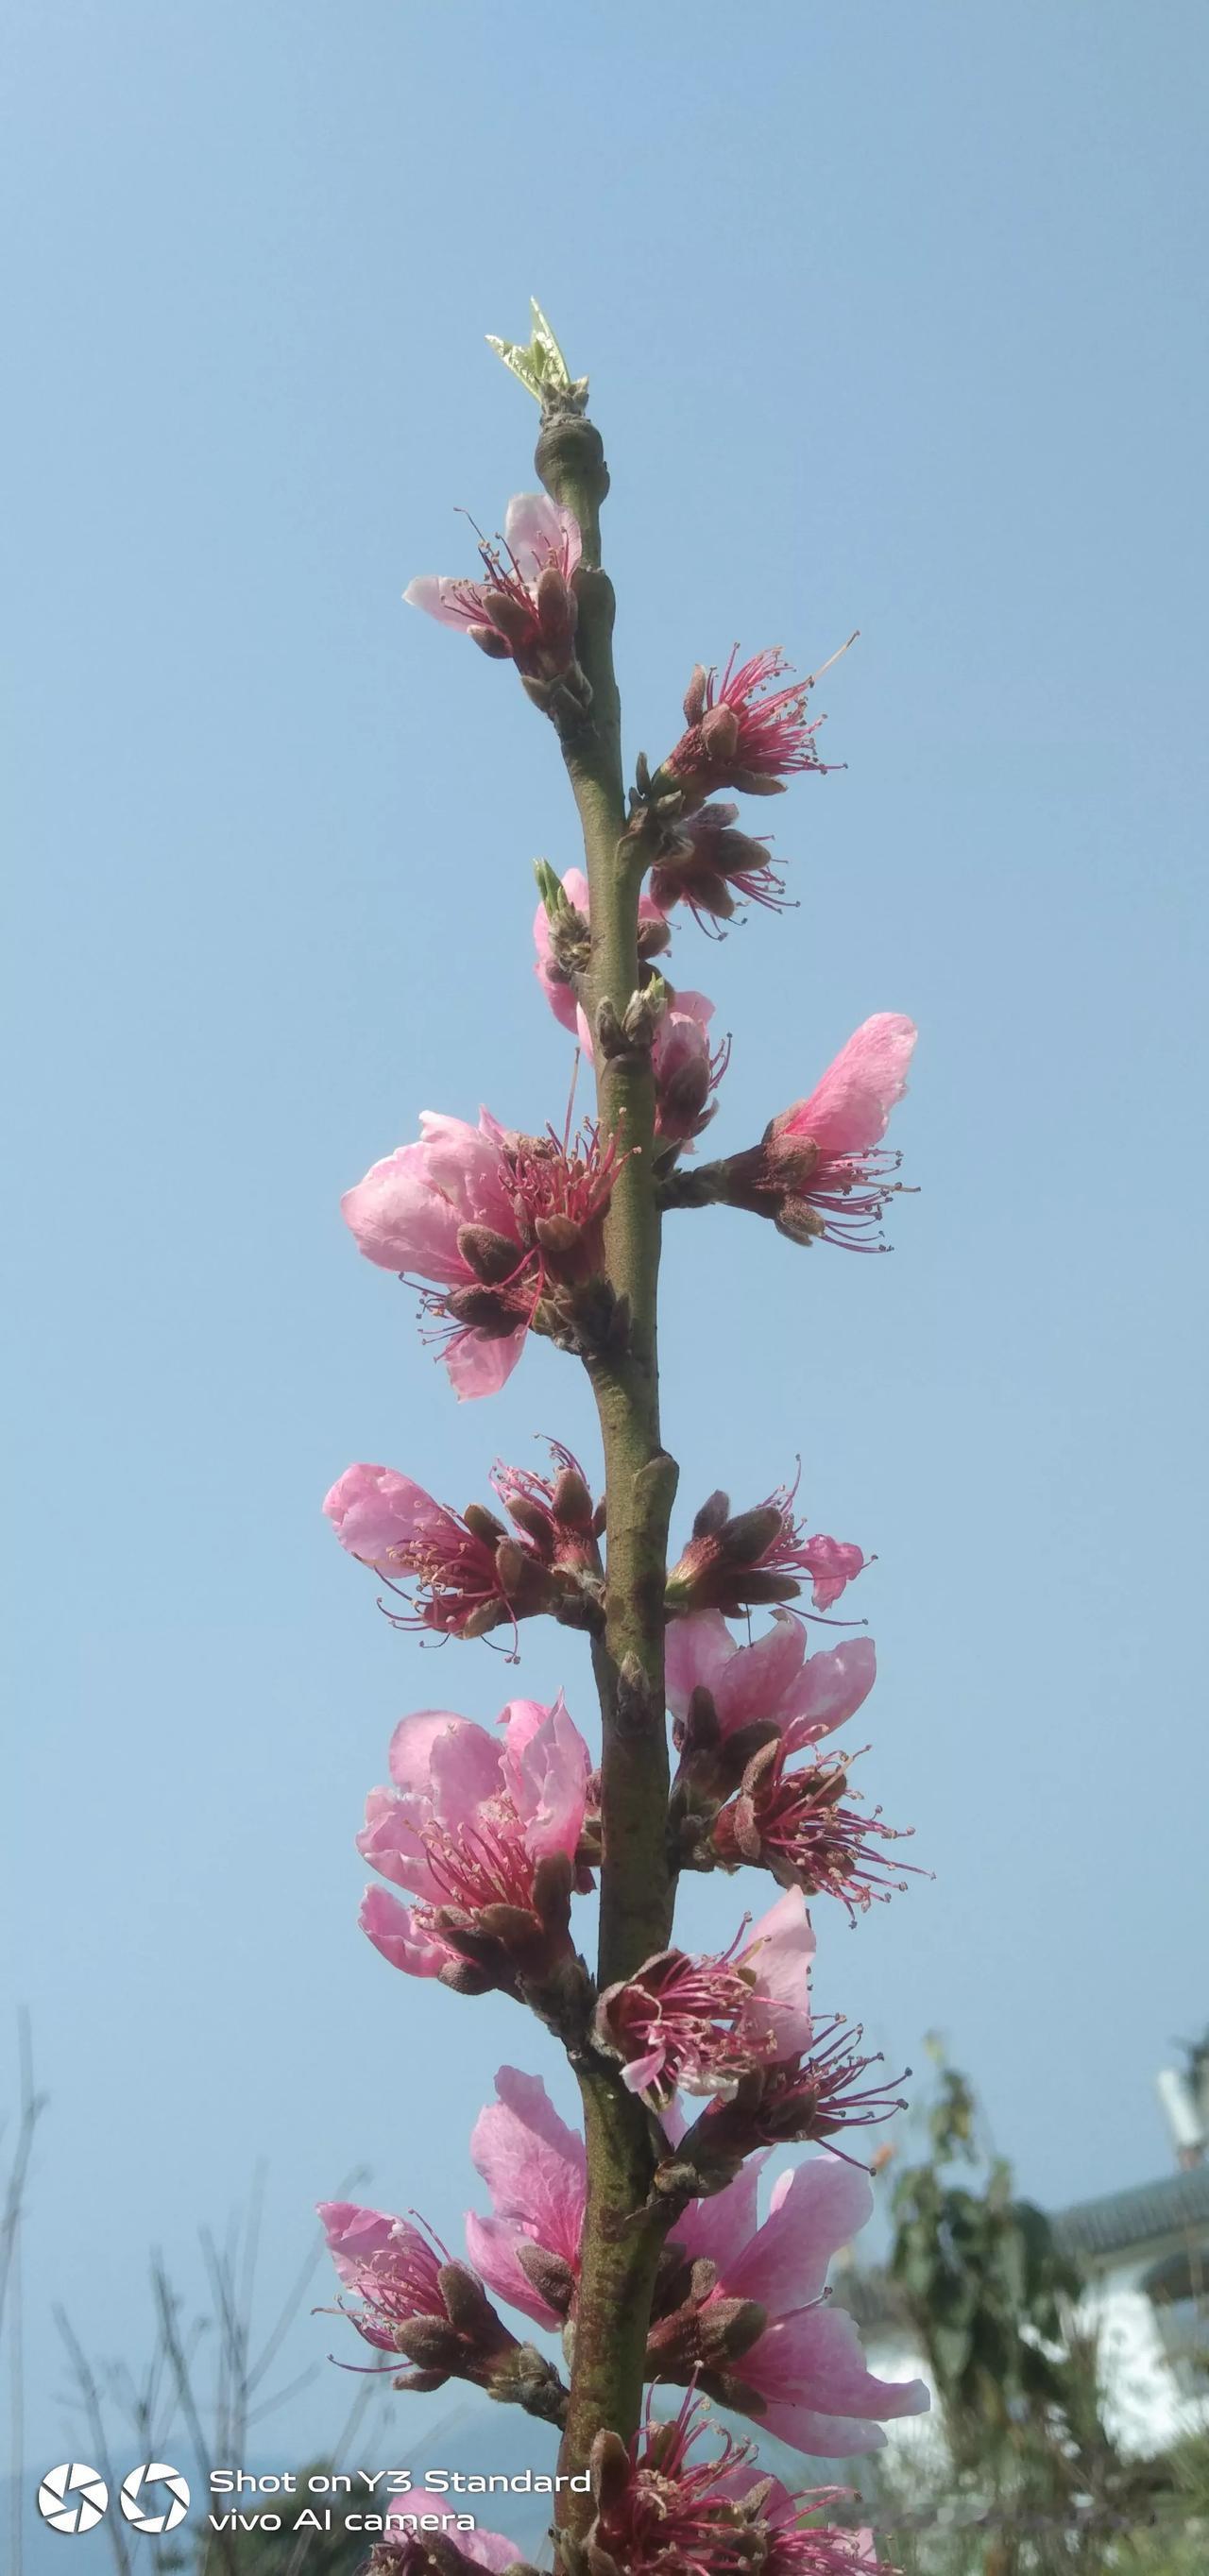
x: 893, y: 318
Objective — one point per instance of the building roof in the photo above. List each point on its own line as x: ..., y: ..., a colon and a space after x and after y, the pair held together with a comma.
x: 1137, y: 2217
x: 1122, y: 2221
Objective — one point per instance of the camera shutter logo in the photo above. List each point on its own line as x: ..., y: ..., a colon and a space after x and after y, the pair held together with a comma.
x: 155, y: 2513
x: 72, y: 2498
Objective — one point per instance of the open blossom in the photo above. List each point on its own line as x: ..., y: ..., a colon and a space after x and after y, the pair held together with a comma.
x: 804, y: 2373
x: 811, y: 2100
x: 687, y: 1069
x: 483, y: 1838
x: 467, y: 1571
x: 820, y: 1169
x: 711, y: 867
x: 795, y: 1823
x: 742, y: 731
x: 491, y: 1219
x: 561, y: 927
x: 773, y: 1683
x: 523, y: 609
x: 667, y: 2507
x: 535, y: 2169
x: 467, y: 1577
x: 704, y: 2023
x: 555, y: 1514
x: 664, y: 2509
x: 389, y: 2265
x: 740, y: 1560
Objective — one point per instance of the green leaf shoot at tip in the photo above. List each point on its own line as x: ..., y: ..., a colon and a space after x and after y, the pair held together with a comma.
x: 541, y: 367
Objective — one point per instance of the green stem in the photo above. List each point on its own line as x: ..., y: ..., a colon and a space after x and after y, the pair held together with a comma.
x: 620, y: 2252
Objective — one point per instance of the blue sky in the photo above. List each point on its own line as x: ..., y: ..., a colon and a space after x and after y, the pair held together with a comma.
x: 891, y: 318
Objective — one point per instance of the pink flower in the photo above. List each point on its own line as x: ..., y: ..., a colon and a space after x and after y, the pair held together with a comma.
x: 741, y: 731
x: 825, y: 1154
x: 705, y: 2023
x: 536, y: 2171
x: 708, y: 865
x: 491, y: 1218
x: 387, y: 2264
x: 805, y: 2372
x: 736, y: 1561
x: 555, y: 1514
x: 795, y: 1824
x: 771, y: 1683
x: 811, y: 2100
x: 687, y: 1070
x: 478, y: 1834
x: 561, y: 938
x: 464, y: 1584
x: 524, y: 609
x: 663, y: 2512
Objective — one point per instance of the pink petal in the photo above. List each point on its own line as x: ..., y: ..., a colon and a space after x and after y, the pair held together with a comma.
x: 641, y: 2071
x: 375, y: 1511
x: 354, y: 2236
x: 813, y: 2358
x: 465, y: 1164
x: 699, y: 1653
x: 849, y: 1110
x: 492, y: 2246
x: 549, y: 1783
x: 450, y: 601
x: 520, y: 1721
x: 389, y: 1926
x: 815, y: 2209
x: 537, y: 531
x: 479, y: 1366
x: 762, y: 1676
x: 534, y: 2166
x: 721, y: 2227
x: 833, y: 1563
x: 400, y: 1221
x: 466, y: 1767
x: 779, y: 1951
x: 391, y: 1840
x: 834, y: 1684
x: 414, y: 1741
